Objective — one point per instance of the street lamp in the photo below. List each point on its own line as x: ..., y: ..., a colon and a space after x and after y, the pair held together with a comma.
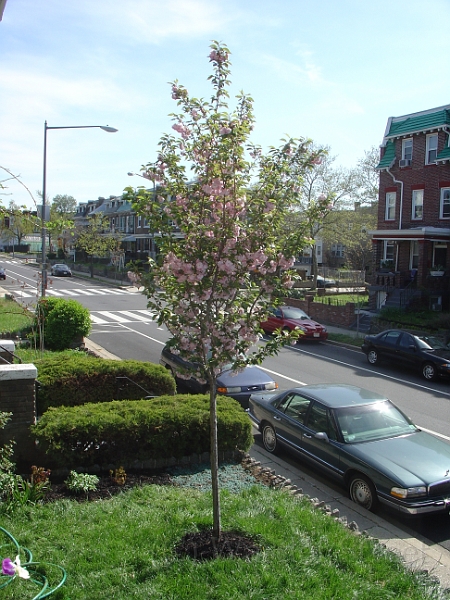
x: 106, y: 128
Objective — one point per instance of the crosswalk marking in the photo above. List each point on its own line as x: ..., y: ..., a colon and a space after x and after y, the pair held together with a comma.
x: 113, y: 316
x: 54, y: 293
x: 145, y: 312
x: 104, y: 317
x: 99, y: 292
x: 127, y: 313
x: 22, y: 294
x: 97, y: 321
x: 111, y: 291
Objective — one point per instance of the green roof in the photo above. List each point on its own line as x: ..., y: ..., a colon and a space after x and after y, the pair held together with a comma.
x: 425, y: 121
x: 444, y: 154
x: 388, y: 156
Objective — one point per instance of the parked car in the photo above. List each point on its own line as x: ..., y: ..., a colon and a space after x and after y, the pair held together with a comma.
x: 424, y: 353
x: 61, y: 270
x: 290, y: 318
x: 325, y: 282
x: 237, y: 385
x: 2, y: 273
x: 361, y: 439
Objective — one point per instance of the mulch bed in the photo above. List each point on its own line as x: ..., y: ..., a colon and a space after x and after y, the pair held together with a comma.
x: 198, y: 545
x: 106, y: 487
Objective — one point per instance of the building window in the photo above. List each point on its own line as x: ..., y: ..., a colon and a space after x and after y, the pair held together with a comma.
x: 139, y: 222
x: 388, y: 251
x: 445, y: 203
x: 407, y: 146
x: 337, y: 250
x: 417, y: 204
x: 414, y: 255
x: 431, y: 153
x: 390, y: 206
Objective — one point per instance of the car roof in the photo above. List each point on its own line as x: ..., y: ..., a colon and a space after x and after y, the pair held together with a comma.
x: 340, y: 395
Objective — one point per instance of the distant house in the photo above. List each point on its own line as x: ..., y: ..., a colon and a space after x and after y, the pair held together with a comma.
x: 412, y: 240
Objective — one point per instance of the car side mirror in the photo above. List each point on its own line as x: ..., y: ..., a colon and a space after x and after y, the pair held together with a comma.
x: 321, y: 435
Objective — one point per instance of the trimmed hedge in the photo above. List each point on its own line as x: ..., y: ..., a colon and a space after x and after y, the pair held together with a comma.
x: 82, y: 378
x: 120, y: 432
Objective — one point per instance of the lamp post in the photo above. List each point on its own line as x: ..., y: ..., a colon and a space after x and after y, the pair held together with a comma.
x: 44, y: 191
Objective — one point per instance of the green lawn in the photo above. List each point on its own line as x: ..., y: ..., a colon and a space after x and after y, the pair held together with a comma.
x: 123, y: 548
x: 13, y: 317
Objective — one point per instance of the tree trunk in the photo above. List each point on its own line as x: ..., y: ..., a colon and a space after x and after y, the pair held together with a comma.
x: 214, y: 461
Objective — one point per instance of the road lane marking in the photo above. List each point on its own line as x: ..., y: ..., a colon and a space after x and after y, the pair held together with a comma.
x: 366, y: 370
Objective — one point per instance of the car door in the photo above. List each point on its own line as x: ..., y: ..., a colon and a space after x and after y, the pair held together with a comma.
x: 290, y: 417
x: 387, y: 345
x: 407, y: 351
x: 325, y: 450
x: 274, y: 321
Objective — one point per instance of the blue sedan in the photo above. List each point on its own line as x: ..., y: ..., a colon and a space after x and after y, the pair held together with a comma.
x: 361, y: 439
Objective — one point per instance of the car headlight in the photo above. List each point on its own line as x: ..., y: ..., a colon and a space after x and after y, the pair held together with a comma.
x: 412, y: 492
x: 273, y: 385
x: 229, y: 390
x: 445, y: 366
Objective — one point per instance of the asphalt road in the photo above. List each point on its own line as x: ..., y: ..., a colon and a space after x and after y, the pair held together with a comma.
x: 123, y: 326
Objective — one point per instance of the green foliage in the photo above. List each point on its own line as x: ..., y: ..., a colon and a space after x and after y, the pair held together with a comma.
x: 81, y: 482
x: 26, y: 492
x: 6, y: 465
x: 121, y: 432
x: 420, y: 318
x: 61, y: 322
x: 77, y: 378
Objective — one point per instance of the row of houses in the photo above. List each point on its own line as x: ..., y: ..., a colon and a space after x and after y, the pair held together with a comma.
x: 410, y: 258
x: 412, y: 239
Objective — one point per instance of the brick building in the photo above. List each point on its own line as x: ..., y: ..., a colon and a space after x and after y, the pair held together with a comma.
x: 412, y: 240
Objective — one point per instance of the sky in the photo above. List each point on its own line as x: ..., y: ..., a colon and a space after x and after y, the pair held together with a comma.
x: 330, y: 70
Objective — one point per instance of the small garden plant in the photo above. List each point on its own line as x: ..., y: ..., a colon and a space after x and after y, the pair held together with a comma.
x: 81, y: 482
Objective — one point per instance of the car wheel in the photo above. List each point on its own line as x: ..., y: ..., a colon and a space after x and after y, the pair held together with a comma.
x: 429, y: 371
x: 362, y: 492
x: 372, y: 356
x: 269, y: 438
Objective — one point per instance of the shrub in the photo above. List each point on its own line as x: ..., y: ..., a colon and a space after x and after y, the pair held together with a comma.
x: 7, y: 478
x: 80, y: 378
x: 121, y: 432
x: 61, y: 322
x: 81, y: 482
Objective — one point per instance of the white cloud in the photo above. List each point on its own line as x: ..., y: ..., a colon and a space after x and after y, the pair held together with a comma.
x: 148, y: 21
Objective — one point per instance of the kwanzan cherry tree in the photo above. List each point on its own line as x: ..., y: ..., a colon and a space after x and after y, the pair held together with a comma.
x: 224, y: 256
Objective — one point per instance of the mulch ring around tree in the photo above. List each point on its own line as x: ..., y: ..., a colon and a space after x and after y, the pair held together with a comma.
x: 201, y: 545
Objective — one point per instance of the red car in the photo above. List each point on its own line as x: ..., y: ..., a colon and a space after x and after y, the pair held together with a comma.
x: 290, y: 318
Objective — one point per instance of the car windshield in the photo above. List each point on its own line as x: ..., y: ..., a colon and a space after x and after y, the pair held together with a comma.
x: 294, y: 313
x: 429, y: 342
x: 373, y: 422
